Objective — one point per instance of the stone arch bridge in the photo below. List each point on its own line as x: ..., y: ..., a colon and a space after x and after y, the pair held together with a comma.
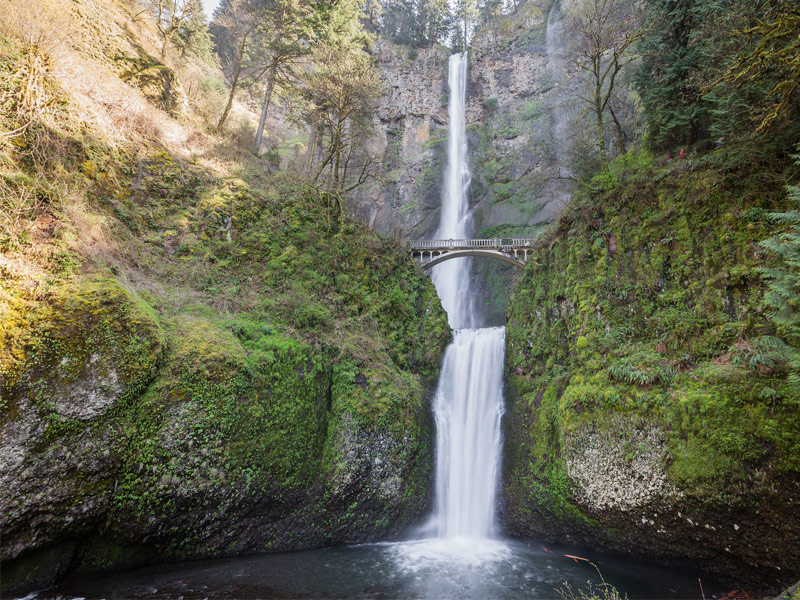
x: 432, y: 252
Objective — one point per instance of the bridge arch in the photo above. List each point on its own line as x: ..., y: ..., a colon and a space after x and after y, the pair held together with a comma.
x: 429, y: 253
x: 464, y: 253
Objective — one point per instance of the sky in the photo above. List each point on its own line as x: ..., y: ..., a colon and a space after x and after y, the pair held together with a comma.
x: 209, y: 6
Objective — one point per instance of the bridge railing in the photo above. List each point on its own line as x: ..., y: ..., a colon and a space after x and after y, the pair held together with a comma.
x: 471, y: 243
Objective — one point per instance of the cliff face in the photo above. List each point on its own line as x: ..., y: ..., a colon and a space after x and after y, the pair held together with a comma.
x: 639, y: 416
x: 410, y: 143
x: 517, y: 116
x: 520, y: 110
x: 518, y: 121
x: 198, y: 356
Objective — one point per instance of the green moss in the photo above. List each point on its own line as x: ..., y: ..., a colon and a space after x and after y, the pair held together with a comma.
x: 94, y: 329
x: 645, y: 300
x: 269, y: 319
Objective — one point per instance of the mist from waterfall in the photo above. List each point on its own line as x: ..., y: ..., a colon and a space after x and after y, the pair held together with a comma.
x: 562, y: 107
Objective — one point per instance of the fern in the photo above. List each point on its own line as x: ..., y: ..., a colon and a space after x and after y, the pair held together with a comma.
x: 783, y: 290
x: 642, y: 368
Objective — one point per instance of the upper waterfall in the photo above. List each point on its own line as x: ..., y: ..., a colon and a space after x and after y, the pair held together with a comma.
x: 452, y: 279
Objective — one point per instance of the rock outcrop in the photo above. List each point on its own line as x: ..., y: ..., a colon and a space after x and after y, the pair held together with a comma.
x: 123, y: 442
x: 637, y: 419
x: 410, y: 143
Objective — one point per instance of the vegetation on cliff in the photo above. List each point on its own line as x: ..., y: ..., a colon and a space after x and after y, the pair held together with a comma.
x: 199, y: 355
x: 652, y: 341
x: 642, y: 326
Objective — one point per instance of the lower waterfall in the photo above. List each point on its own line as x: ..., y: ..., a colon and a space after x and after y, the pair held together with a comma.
x: 468, y: 408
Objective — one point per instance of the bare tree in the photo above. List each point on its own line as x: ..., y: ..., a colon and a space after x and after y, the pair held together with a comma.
x: 170, y: 15
x: 238, y: 21
x: 603, y: 34
x: 341, y: 98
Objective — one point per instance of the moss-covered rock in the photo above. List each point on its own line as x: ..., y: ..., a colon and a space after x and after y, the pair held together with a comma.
x: 298, y: 421
x: 258, y: 383
x: 244, y: 442
x: 89, y: 352
x: 639, y: 419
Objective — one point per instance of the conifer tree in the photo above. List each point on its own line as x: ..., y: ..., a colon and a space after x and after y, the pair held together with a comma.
x: 434, y: 21
x: 465, y: 15
x: 286, y: 31
x: 672, y: 101
x: 234, y: 27
x: 771, y: 59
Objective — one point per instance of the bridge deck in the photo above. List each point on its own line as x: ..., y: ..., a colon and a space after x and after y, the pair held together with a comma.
x: 473, y: 243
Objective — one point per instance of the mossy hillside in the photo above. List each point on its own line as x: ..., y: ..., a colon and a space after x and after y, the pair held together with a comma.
x: 277, y: 252
x: 228, y: 435
x: 236, y: 425
x: 645, y: 307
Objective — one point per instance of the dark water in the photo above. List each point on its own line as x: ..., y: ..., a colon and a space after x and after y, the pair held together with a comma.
x: 435, y: 569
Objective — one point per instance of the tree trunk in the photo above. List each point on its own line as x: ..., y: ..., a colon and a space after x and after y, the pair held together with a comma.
x: 234, y: 83
x: 620, y: 134
x: 601, y: 134
x: 267, y: 97
x: 338, y: 157
x: 601, y: 142
x: 312, y: 145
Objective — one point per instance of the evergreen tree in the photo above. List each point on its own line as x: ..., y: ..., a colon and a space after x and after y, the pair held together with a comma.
x: 767, y: 62
x: 489, y: 9
x: 286, y: 29
x: 434, y: 18
x: 465, y: 16
x: 193, y: 39
x: 672, y: 101
x: 234, y: 30
x: 400, y: 22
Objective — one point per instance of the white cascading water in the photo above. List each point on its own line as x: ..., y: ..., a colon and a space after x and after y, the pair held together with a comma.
x: 451, y: 278
x: 469, y: 399
x: 563, y: 109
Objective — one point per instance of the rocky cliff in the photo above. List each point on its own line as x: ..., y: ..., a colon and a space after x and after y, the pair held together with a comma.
x: 410, y: 140
x: 520, y: 107
x: 518, y: 113
x: 647, y: 412
x: 198, y: 356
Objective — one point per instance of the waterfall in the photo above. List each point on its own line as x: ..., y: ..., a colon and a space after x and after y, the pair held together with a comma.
x: 562, y: 108
x: 451, y: 278
x: 469, y: 398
